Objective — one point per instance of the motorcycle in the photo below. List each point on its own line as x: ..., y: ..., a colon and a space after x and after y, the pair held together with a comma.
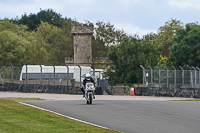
x: 89, y: 92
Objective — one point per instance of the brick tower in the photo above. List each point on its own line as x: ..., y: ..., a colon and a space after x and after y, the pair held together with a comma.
x: 82, y: 34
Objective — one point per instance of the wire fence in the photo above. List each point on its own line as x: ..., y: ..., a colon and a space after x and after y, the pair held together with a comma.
x: 171, y: 78
x: 10, y: 74
x: 49, y: 79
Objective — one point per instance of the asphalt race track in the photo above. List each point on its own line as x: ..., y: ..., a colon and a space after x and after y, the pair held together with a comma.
x: 132, y: 116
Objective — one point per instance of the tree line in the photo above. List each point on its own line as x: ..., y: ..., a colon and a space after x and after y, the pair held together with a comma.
x: 45, y: 38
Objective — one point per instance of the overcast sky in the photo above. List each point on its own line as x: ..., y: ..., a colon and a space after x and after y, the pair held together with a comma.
x: 133, y: 16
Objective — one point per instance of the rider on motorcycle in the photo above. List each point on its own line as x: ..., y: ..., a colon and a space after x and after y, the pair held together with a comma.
x: 87, y: 79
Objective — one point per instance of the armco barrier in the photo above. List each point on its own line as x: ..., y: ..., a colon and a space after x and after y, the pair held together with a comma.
x: 169, y: 92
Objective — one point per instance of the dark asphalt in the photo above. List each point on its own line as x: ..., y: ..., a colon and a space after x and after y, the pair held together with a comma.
x: 132, y: 116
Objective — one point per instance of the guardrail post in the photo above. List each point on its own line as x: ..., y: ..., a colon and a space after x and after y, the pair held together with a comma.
x: 199, y: 76
x: 167, y: 76
x: 151, y: 76
x: 174, y: 76
x: 143, y: 74
x: 182, y: 75
x: 159, y: 74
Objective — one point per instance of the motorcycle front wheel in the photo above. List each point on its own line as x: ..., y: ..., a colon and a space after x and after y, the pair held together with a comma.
x: 90, y: 98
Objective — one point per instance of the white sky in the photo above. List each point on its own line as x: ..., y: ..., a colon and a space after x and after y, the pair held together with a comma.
x: 133, y: 16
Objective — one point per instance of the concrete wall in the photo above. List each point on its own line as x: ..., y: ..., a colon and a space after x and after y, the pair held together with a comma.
x: 35, y: 88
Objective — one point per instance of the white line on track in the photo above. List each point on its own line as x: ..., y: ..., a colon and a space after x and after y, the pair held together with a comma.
x: 64, y: 115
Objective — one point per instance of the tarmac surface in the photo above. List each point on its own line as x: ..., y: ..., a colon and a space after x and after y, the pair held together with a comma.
x: 129, y: 114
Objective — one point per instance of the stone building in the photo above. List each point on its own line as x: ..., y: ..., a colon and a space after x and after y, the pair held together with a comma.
x: 82, y: 37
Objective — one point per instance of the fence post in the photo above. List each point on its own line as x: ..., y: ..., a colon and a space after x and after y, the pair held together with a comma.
x: 195, y: 76
x: 191, y: 79
x: 167, y: 76
x: 199, y: 76
x: 11, y: 73
x: 40, y: 74
x: 80, y: 75
x: 182, y: 75
x: 151, y: 76
x: 159, y: 74
x: 174, y: 76
x: 93, y: 68
x: 54, y: 71
x: 26, y: 76
x: 143, y: 74
x: 67, y: 74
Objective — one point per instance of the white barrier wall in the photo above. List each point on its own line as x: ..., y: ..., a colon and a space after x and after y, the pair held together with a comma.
x: 62, y: 69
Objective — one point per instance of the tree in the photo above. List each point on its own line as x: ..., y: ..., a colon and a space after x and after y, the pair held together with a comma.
x: 126, y: 60
x: 149, y: 37
x: 166, y: 33
x: 11, y: 49
x: 47, y: 45
x: 186, y: 48
x: 34, y: 20
x: 36, y: 52
x: 98, y: 48
x: 105, y: 35
x: 73, y: 81
x: 14, y: 42
x: 58, y: 43
x: 151, y: 55
x: 108, y: 34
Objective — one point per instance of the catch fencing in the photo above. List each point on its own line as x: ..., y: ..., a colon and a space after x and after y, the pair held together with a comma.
x: 171, y: 77
x: 49, y: 79
x: 11, y: 74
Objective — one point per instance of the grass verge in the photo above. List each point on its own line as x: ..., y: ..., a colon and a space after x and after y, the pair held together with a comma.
x: 19, y: 118
x: 188, y: 100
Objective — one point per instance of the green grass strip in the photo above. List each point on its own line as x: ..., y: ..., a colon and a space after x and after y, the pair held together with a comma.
x: 19, y: 118
x: 188, y: 100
